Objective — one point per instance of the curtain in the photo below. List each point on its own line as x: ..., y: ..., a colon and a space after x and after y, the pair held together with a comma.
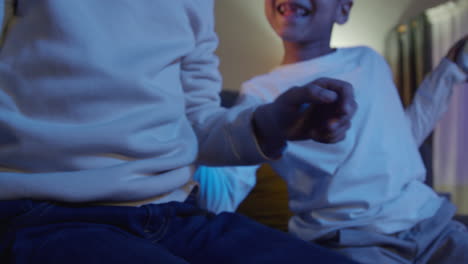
x: 449, y: 22
x: 408, y: 49
x: 413, y: 49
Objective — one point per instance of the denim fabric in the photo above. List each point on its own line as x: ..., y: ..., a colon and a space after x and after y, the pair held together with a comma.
x: 44, y: 232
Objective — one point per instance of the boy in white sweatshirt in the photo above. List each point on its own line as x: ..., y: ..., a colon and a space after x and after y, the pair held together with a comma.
x: 103, y: 107
x: 364, y: 196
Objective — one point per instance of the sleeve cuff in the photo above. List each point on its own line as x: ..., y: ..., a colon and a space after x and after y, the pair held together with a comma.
x: 453, y: 69
x: 244, y: 141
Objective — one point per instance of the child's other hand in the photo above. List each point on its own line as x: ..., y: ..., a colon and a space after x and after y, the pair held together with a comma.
x: 456, y: 52
x: 321, y: 111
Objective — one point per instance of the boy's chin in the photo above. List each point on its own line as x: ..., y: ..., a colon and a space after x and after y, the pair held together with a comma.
x: 291, y: 37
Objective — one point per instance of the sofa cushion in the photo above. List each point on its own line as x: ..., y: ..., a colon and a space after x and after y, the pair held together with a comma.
x: 268, y: 201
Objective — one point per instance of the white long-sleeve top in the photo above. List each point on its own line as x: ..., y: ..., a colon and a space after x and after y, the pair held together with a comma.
x: 112, y: 100
x: 373, y: 179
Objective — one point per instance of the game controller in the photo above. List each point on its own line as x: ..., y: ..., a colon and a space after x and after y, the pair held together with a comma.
x: 462, y: 58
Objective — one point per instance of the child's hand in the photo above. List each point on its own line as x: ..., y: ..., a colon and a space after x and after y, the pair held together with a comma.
x: 457, y: 51
x: 321, y: 111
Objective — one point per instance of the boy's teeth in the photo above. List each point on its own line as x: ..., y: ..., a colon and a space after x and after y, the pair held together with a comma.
x: 292, y: 9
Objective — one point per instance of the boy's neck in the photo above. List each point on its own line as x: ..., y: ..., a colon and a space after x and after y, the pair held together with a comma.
x: 296, y: 52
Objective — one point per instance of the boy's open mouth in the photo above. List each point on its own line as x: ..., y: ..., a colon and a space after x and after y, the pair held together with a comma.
x: 292, y: 9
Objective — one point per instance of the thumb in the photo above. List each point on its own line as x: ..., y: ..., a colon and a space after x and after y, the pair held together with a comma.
x: 308, y: 94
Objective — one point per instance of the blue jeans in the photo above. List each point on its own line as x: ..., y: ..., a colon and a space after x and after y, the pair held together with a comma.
x: 44, y: 232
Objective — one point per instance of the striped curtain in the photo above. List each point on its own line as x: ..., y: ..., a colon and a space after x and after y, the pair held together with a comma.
x: 449, y: 22
x: 413, y: 49
x: 408, y: 53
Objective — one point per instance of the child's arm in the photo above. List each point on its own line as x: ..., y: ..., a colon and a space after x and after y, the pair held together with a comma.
x: 433, y: 95
x: 252, y: 134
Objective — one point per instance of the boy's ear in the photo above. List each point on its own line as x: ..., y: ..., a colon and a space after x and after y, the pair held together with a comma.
x: 343, y: 11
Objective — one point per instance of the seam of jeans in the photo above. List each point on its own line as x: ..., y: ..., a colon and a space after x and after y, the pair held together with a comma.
x: 14, y: 227
x: 39, y: 209
x: 61, y: 232
x: 35, y: 209
x: 39, y: 248
x: 27, y: 206
x: 149, y: 215
x: 162, y: 231
x: 158, y: 232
